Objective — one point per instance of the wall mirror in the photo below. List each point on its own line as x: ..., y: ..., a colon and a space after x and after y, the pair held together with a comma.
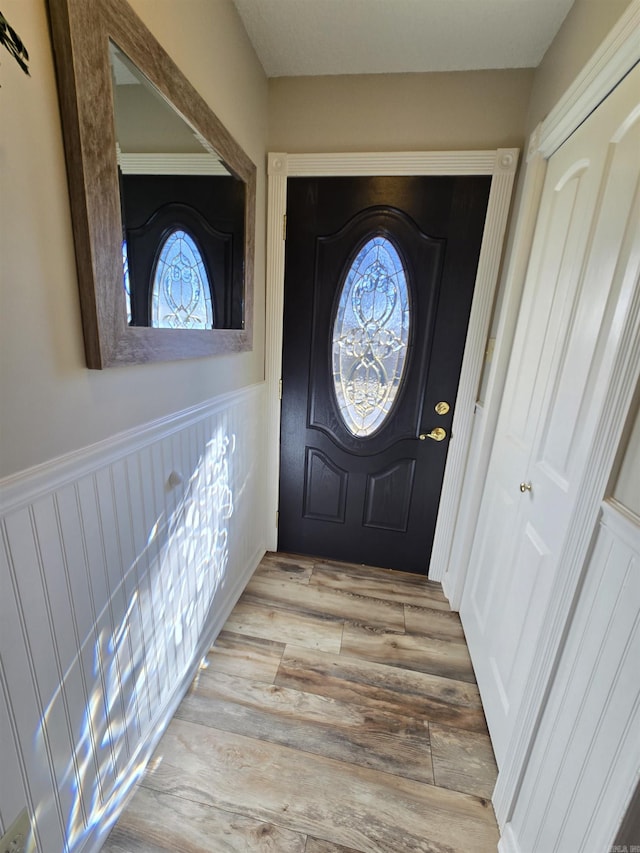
x: 162, y: 197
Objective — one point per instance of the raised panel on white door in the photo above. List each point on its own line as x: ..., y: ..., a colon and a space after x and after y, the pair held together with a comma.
x: 520, y: 614
x: 487, y: 587
x: 616, y: 219
x: 580, y: 284
x: 564, y: 218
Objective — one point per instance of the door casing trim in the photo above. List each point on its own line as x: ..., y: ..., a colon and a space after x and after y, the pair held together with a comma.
x: 501, y: 164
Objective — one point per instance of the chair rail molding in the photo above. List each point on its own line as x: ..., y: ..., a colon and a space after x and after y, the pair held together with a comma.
x: 501, y: 164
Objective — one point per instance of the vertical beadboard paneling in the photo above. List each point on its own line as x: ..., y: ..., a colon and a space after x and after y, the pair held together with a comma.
x: 71, y: 693
x: 25, y: 695
x: 71, y: 538
x: 104, y: 666
x: 586, y: 756
x: 115, y: 578
x: 35, y: 779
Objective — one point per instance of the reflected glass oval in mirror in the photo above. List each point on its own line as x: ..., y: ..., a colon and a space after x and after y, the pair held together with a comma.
x: 173, y: 182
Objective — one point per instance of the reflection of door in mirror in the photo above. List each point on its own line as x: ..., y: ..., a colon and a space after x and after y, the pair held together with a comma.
x: 182, y: 211
x: 180, y: 275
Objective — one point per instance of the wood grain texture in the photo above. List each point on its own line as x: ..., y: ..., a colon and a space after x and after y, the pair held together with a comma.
x: 368, y: 737
x: 289, y: 567
x: 439, y: 624
x: 270, y: 623
x: 250, y: 657
x: 353, y: 806
x: 317, y: 845
x: 157, y: 823
x: 313, y: 599
x: 293, y: 736
x: 463, y: 761
x: 385, y: 584
x: 376, y: 685
x: 410, y: 651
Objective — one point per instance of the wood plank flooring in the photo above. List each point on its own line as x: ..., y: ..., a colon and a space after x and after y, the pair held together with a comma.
x: 337, y: 713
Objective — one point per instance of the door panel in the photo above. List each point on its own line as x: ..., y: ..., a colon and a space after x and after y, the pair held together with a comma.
x: 583, y: 268
x: 372, y: 499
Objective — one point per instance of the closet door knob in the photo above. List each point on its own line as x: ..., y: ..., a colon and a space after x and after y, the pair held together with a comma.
x: 525, y: 487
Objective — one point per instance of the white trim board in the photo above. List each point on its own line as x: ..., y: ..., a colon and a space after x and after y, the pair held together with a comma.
x: 171, y: 164
x: 26, y: 486
x: 501, y: 165
x: 615, y: 57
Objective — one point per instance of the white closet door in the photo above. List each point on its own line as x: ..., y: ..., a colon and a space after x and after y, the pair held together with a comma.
x: 581, y: 270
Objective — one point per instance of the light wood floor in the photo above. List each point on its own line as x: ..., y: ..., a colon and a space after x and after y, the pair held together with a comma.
x: 338, y: 713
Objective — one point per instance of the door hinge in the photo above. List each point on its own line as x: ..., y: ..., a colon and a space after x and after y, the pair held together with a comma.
x: 284, y: 226
x: 280, y: 389
x: 277, y: 517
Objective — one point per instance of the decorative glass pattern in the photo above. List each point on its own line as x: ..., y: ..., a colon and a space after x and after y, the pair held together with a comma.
x: 181, y: 293
x: 370, y: 336
x: 127, y: 283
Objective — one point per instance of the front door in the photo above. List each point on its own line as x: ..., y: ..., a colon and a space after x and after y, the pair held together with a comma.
x: 379, y: 277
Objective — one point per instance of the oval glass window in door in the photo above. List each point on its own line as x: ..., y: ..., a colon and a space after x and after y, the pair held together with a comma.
x: 181, y: 292
x: 370, y: 336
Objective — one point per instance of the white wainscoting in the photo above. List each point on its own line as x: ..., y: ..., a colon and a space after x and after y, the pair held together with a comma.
x: 118, y: 566
x: 586, y: 757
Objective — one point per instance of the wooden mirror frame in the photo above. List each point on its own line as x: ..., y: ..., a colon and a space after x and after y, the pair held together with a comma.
x: 81, y: 31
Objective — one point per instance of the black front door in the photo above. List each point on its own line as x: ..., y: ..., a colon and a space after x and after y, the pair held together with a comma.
x: 379, y: 276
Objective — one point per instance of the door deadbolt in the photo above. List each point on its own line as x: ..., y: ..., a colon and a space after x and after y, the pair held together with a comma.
x: 442, y: 408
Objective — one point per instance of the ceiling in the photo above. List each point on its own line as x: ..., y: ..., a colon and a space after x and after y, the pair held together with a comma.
x: 318, y: 37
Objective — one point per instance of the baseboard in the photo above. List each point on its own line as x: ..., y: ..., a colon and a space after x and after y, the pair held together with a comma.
x: 508, y: 842
x: 138, y: 763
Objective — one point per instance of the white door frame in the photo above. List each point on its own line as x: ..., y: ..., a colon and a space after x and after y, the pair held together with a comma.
x: 501, y: 165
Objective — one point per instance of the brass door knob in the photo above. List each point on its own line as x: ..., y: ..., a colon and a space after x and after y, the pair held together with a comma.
x: 525, y: 487
x: 436, y: 434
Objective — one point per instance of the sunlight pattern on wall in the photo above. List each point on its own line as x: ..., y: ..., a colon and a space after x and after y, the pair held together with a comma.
x: 177, y: 576
x: 370, y: 337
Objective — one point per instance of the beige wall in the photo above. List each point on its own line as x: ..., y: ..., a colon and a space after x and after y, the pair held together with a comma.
x: 50, y: 403
x: 475, y: 109
x: 399, y: 112
x: 583, y: 30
